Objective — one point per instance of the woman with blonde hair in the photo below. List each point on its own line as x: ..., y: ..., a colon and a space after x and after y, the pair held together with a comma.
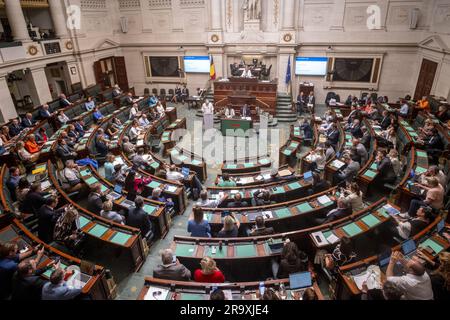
x: 209, y: 273
x: 230, y: 227
x: 393, y: 155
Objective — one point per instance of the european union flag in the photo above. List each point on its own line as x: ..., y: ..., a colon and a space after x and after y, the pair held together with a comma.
x: 288, y: 72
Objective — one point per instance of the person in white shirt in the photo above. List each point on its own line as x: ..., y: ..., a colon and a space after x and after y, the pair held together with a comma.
x: 117, y: 91
x: 133, y: 111
x: 62, y: 118
x: 143, y: 121
x: 416, y: 284
x: 229, y: 112
x: 208, y: 115
x: 70, y: 176
x: 404, y: 109
x: 134, y: 131
x: 205, y: 202
x: 173, y: 175
x: 160, y: 109
x: 247, y: 73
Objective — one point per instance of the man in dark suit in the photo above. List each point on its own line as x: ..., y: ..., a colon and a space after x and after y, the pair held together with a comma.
x: 340, y: 212
x: 300, y: 103
x: 34, y: 199
x: 64, y: 151
x: 385, y: 120
x: 15, y: 128
x: 237, y: 202
x: 47, y: 219
x: 128, y: 100
x: 27, y: 282
x: 355, y: 129
x: 79, y: 127
x: 95, y: 199
x: 261, y: 229
x: 307, y: 130
x: 245, y: 111
x: 63, y: 101
x: 27, y: 121
x: 138, y: 218
x: 333, y: 135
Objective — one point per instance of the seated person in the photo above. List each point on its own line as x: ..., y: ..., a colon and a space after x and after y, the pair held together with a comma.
x: 66, y: 231
x: 116, y: 91
x: 342, y: 254
x: 352, y: 197
x: 108, y: 213
x: 237, y: 202
x: 41, y: 136
x: 229, y: 112
x: 171, y: 268
x: 21, y: 191
x: 385, y: 121
x: 4, y: 135
x: 27, y: 121
x: 217, y: 295
x: 34, y: 199
x: 102, y: 144
x: 434, y: 196
x: 97, y: 115
x: 31, y: 144
x: 355, y: 129
x: 226, y: 181
x: 416, y: 284
x: 157, y: 196
x: 333, y: 135
x: 72, y: 133
x: 360, y: 150
x: 329, y: 151
x: 350, y: 171
x: 79, y: 127
x: 198, y: 226
x: 343, y: 210
x: 134, y: 112
x: 45, y: 113
x: 318, y: 185
x: 143, y: 121
x: 153, y: 101
x: 111, y: 130
x: 95, y: 199
x: 13, y: 181
x: 135, y: 131
x: 15, y: 128
x: 71, y: 177
x: 160, y: 110
x: 260, y: 228
x: 390, y: 291
x: 138, y: 218
x: 27, y: 282
x: 64, y: 151
x: 407, y: 228
x: 261, y: 197
x: 139, y: 161
x: 205, y: 202
x: 404, y: 109
x: 57, y: 289
x: 64, y: 102
x: 292, y: 260
x: 209, y: 273
x: 173, y: 174
x: 230, y: 227
x: 89, y: 105
x: 118, y: 175
x: 24, y: 155
x: 433, y: 171
x: 128, y: 101
x: 62, y: 118
x: 127, y: 147
x: 386, y: 173
x: 423, y: 104
x: 439, y: 275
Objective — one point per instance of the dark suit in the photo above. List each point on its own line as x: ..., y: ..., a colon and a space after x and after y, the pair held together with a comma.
x: 33, y: 202
x: 175, y: 272
x: 47, y: 220
x: 79, y: 129
x: 14, y: 130
x: 95, y: 203
x: 245, y: 111
x: 128, y: 101
x: 64, y: 103
x: 385, y: 122
x: 64, y: 152
x: 356, y: 131
x: 337, y: 214
x: 44, y: 114
x: 101, y: 147
x: 28, y: 288
x: 139, y: 219
x: 27, y: 123
x: 333, y: 138
x: 307, y: 130
x: 262, y: 232
x: 386, y: 171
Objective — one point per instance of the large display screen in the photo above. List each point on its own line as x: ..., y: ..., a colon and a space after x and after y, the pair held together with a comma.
x: 311, y: 66
x: 197, y: 64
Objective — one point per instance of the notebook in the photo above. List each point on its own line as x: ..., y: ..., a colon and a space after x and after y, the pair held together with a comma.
x: 300, y: 280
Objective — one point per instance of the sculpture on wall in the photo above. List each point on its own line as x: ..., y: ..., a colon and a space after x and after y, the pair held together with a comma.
x: 252, y: 10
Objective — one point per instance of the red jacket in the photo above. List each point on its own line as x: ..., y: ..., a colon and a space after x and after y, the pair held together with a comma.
x: 216, y: 277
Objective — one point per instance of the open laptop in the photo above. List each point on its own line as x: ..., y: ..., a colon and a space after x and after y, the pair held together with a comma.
x: 300, y: 280
x: 276, y: 248
x: 409, y: 248
x: 117, y: 193
x: 308, y: 176
x: 127, y: 203
x: 185, y: 171
x: 440, y: 226
x: 383, y: 260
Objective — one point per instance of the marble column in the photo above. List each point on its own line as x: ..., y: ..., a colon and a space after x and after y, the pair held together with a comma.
x: 216, y: 14
x: 40, y: 91
x: 7, y: 108
x: 58, y: 18
x: 288, y: 22
x: 16, y: 20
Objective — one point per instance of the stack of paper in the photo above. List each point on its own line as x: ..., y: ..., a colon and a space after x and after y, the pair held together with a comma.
x: 372, y: 278
x: 337, y: 164
x: 324, y: 199
x: 156, y: 294
x: 267, y: 214
x: 332, y: 239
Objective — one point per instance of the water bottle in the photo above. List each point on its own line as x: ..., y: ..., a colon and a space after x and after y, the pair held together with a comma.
x: 262, y: 288
x: 283, y: 293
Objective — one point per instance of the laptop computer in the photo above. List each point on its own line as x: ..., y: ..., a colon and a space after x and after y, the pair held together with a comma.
x: 300, y: 280
x: 383, y: 260
x: 117, y: 193
x: 440, y: 226
x: 308, y: 176
x: 408, y: 248
x: 276, y: 248
x: 127, y: 203
x: 185, y: 171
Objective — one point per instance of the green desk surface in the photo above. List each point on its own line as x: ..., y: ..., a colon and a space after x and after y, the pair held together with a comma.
x: 98, y: 230
x: 294, y: 185
x: 208, y: 216
x: 104, y: 188
x: 422, y: 154
x: 245, y: 250
x: 383, y: 212
x: 49, y: 272
x: 231, y: 166
x: 219, y: 254
x: 348, y: 143
x: 370, y: 174
x: 326, y: 234
x: 437, y: 248
x: 195, y: 162
x: 83, y: 221
x: 287, y: 152
x: 91, y: 180
x: 352, y: 229
x: 420, y: 170
x: 264, y: 161
x: 184, y: 250
x: 374, y: 167
x: 154, y: 165
x: 348, y: 136
x: 192, y: 296
x: 153, y: 184
x: 283, y: 213
x: 182, y: 158
x: 293, y: 145
x: 278, y: 190
x: 370, y: 220
x: 249, y: 165
x: 304, y: 207
x: 174, y: 152
x: 149, y: 209
x: 120, y: 238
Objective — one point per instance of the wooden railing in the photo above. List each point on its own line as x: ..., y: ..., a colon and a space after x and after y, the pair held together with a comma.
x: 29, y: 3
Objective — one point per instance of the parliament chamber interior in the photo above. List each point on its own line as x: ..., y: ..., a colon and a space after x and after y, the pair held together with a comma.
x: 224, y: 150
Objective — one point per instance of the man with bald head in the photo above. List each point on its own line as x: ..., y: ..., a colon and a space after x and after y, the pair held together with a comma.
x: 171, y: 268
x: 416, y: 283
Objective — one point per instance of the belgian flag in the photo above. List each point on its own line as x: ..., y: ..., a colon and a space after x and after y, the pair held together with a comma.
x: 212, y: 70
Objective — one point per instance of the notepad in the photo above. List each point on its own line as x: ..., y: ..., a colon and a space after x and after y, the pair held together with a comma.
x: 374, y: 167
x: 422, y: 154
x: 287, y: 152
x: 91, y: 180
x: 283, y: 213
x: 304, y: 207
x: 352, y: 229
x: 149, y: 209
x: 332, y: 239
x: 370, y: 174
x: 323, y: 200
x: 337, y: 164
x: 294, y: 185
x: 98, y: 230
x: 370, y: 220
x: 120, y: 238
x: 437, y: 248
x: 153, y: 184
x: 420, y: 170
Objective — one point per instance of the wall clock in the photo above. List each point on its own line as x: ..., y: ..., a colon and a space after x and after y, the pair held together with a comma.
x: 214, y: 38
x: 32, y: 50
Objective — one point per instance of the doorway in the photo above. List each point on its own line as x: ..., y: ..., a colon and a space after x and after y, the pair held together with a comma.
x: 426, y: 79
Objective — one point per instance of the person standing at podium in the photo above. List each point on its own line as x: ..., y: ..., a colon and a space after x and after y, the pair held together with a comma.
x: 245, y: 111
x: 247, y: 73
x: 208, y: 115
x: 229, y: 112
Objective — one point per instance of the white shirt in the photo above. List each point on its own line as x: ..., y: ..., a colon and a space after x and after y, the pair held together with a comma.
x: 246, y: 74
x: 144, y: 121
x: 174, y: 175
x: 208, y: 108
x: 404, y: 109
x: 63, y: 118
x: 160, y: 109
x: 229, y: 113
x: 208, y: 203
x: 415, y: 287
x: 133, y: 112
x: 134, y: 132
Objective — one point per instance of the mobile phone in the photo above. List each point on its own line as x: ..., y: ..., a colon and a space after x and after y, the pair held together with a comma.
x: 174, y: 259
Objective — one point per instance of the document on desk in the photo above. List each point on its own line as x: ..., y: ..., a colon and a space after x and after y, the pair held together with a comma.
x: 266, y: 176
x: 332, y: 239
x: 319, y: 238
x: 337, y: 164
x: 267, y: 214
x: 324, y: 199
x: 372, y: 278
x: 246, y: 180
x: 171, y: 189
x: 228, y: 294
x: 155, y: 293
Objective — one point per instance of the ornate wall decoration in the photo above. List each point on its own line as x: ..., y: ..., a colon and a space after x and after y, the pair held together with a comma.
x: 158, y: 4
x: 192, y: 3
x: 69, y: 45
x: 229, y: 12
x: 287, y: 37
x: 129, y: 4
x: 215, y: 38
x: 276, y: 7
x: 93, y: 5
x: 32, y: 50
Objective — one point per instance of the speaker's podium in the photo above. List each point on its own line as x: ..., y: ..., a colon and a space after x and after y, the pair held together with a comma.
x: 236, y: 127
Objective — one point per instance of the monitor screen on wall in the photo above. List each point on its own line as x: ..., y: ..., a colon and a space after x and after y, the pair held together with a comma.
x: 164, y: 66
x: 311, y: 66
x: 196, y: 64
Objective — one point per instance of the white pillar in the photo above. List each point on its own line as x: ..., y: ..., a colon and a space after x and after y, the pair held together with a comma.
x: 216, y: 14
x: 288, y: 22
x: 16, y: 20
x: 39, y: 88
x: 7, y: 108
x: 58, y: 18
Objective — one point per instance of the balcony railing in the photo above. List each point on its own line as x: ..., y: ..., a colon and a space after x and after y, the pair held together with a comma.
x: 29, y: 3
